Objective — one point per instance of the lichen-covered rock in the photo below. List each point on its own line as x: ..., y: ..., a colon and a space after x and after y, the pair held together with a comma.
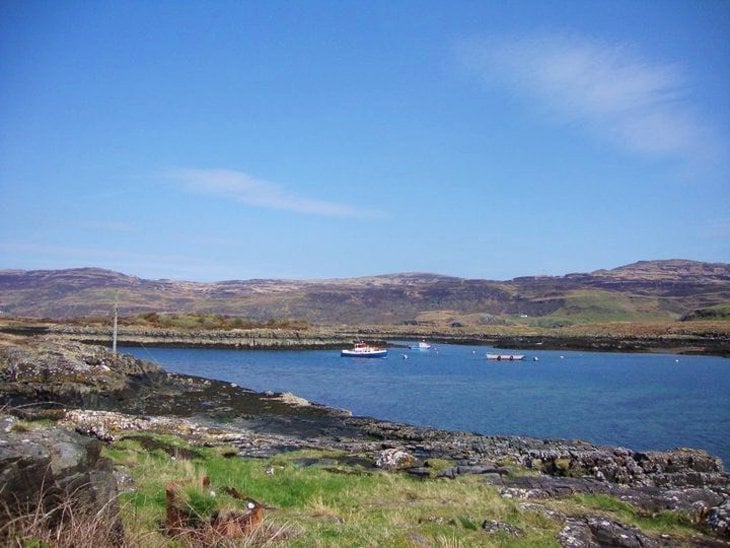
x: 49, y: 468
x: 718, y: 519
x: 701, y: 506
x: 491, y: 526
x: 676, y: 468
x: 395, y: 459
x: 46, y: 369
x: 576, y: 534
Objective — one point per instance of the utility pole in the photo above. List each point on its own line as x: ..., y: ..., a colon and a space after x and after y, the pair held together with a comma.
x: 114, y: 333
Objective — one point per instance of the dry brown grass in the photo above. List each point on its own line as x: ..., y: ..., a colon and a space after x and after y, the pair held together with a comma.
x: 67, y: 526
x: 64, y: 525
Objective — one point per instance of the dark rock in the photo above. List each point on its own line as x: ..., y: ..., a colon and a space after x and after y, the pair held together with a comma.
x: 602, y: 533
x: 50, y: 468
x: 420, y: 472
x: 700, y: 506
x: 611, y: 533
x: 474, y: 470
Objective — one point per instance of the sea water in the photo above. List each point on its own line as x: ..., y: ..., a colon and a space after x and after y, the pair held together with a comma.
x: 639, y: 401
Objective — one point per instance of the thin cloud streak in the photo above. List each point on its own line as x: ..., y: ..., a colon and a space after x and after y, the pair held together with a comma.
x: 642, y: 106
x: 244, y: 188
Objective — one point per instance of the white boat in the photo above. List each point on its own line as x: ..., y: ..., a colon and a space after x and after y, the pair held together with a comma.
x: 505, y: 357
x: 423, y: 345
x: 362, y: 349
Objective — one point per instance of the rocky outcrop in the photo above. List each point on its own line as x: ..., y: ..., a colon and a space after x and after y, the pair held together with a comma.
x: 678, y: 468
x: 697, y: 505
x: 55, y: 475
x: 48, y: 370
x: 718, y: 518
x: 594, y: 532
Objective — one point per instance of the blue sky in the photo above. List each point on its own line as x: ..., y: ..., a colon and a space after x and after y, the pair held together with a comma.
x: 267, y: 139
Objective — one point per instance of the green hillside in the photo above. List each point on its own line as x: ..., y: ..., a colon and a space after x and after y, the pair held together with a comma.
x: 645, y: 291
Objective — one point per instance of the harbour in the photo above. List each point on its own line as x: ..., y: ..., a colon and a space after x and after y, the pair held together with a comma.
x: 640, y: 401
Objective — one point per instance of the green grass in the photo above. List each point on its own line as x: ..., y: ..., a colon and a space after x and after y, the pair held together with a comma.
x: 329, y: 504
x: 583, y: 306
x: 320, y: 498
x: 720, y: 312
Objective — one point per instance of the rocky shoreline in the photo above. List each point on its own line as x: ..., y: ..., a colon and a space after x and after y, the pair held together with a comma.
x: 89, y: 390
x: 676, y: 341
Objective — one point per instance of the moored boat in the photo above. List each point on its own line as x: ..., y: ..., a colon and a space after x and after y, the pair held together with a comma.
x: 361, y: 349
x: 422, y: 345
x: 505, y: 357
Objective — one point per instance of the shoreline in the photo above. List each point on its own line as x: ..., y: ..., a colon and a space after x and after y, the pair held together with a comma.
x: 108, y: 396
x: 664, y: 339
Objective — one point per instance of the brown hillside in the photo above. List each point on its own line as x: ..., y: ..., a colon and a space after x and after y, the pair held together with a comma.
x: 656, y: 290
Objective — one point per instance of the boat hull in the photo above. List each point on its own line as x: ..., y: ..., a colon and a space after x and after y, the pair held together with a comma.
x: 421, y: 346
x: 505, y: 357
x: 364, y: 353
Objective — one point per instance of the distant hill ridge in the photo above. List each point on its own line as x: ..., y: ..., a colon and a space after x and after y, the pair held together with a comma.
x: 666, y: 289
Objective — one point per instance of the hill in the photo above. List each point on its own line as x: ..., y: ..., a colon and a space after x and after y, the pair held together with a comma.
x: 647, y: 290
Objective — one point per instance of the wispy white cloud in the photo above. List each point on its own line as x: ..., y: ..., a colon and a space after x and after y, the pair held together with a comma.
x: 244, y: 188
x: 642, y: 106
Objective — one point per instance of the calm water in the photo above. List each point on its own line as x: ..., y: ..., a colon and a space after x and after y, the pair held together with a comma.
x: 641, y: 401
